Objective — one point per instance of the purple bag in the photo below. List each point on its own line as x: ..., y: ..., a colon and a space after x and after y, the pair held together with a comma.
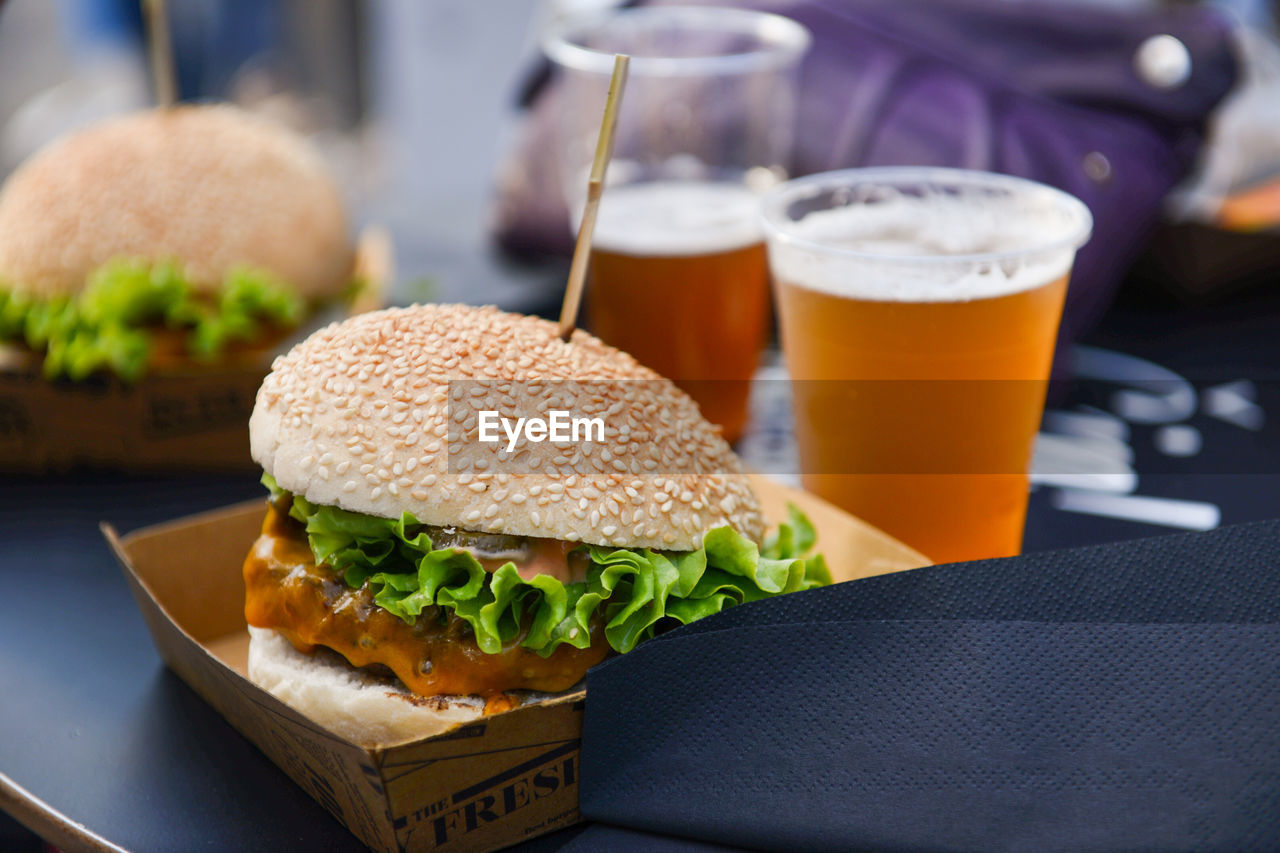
x: 1084, y: 99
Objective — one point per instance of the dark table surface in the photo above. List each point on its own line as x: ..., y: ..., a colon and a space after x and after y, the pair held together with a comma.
x: 94, y: 728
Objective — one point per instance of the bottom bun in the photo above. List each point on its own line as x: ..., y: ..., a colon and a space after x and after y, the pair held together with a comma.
x: 358, y: 705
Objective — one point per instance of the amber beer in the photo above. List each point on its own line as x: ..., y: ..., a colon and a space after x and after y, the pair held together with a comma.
x: 680, y: 280
x: 920, y: 349
x: 968, y: 394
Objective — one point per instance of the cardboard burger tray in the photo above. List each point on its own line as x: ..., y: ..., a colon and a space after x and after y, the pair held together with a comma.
x: 481, y: 785
x: 191, y: 419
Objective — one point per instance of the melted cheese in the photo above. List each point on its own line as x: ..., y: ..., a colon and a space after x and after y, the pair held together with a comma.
x: 311, y: 606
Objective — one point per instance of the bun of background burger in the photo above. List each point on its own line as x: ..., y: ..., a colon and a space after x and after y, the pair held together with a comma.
x: 357, y: 417
x: 168, y: 240
x: 211, y: 189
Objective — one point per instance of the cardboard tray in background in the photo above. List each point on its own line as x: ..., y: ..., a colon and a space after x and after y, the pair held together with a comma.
x: 190, y: 420
x: 482, y: 785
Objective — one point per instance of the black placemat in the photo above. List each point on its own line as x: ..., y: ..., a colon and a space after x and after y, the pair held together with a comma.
x: 1113, y: 697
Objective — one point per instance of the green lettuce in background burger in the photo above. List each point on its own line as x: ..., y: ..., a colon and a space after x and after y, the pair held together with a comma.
x: 165, y: 239
x: 400, y: 586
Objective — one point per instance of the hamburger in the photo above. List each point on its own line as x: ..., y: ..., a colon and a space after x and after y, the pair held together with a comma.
x: 410, y: 575
x: 168, y: 238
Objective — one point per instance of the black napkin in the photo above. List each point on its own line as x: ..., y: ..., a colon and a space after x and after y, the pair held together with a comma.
x: 1119, y: 697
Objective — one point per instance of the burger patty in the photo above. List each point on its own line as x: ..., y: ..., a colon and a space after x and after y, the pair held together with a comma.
x: 170, y: 351
x: 436, y: 655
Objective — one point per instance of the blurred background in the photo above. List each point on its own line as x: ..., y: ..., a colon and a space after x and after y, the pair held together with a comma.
x: 412, y: 102
x: 419, y: 107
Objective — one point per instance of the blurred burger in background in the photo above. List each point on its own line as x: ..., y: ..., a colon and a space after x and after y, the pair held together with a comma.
x: 168, y: 239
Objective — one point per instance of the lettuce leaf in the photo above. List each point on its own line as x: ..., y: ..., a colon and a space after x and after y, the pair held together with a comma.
x: 634, y: 590
x: 108, y: 325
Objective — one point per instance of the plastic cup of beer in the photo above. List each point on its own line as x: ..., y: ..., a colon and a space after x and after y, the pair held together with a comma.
x: 919, y: 309
x: 679, y: 276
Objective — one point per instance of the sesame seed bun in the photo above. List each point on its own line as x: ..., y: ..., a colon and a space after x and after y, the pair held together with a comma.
x: 358, y: 416
x: 211, y: 187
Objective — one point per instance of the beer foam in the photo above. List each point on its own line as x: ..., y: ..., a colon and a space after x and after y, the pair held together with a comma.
x: 896, y: 249
x: 677, y: 218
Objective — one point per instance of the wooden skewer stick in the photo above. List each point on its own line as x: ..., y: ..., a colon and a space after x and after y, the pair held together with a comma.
x: 160, y: 52
x: 595, y: 188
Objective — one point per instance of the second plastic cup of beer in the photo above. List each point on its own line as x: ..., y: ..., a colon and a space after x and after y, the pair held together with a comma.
x: 678, y: 273
x: 919, y: 310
